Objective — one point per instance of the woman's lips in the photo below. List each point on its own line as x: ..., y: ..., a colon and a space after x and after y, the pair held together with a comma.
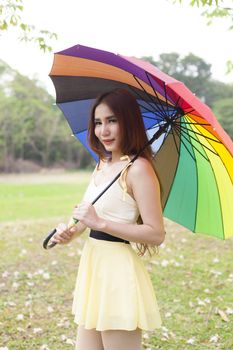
x: 107, y: 142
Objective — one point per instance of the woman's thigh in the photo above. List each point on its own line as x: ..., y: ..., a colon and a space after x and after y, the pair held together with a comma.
x: 123, y: 340
x: 88, y: 339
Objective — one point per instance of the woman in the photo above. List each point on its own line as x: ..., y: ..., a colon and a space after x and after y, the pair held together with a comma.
x: 114, y: 298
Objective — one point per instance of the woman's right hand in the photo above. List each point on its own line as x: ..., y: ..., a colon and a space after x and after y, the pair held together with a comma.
x: 64, y: 234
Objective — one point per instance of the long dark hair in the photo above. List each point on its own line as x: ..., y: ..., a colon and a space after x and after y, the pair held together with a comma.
x: 133, y: 134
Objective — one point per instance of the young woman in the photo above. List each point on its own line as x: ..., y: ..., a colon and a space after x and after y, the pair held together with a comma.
x: 114, y: 298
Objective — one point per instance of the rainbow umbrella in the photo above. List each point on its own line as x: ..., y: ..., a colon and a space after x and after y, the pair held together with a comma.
x: 192, y: 155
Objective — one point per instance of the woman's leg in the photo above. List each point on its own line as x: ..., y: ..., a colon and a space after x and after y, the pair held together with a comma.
x: 123, y: 340
x: 88, y: 339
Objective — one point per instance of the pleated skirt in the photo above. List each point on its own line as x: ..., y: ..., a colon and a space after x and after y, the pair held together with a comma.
x: 113, y: 289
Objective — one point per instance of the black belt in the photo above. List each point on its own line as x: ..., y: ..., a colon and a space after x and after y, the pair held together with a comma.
x: 106, y: 237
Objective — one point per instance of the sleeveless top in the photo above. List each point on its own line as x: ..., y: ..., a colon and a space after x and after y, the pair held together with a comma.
x: 115, y: 204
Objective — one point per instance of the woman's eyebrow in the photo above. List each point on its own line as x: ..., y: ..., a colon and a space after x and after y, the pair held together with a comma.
x: 108, y: 117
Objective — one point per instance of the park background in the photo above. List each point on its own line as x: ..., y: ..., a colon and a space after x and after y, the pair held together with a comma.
x: 44, y: 170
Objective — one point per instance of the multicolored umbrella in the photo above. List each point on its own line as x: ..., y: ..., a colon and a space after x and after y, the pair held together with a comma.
x: 193, y: 154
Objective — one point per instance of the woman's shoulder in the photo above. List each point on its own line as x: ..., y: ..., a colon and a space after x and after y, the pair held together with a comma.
x: 140, y: 172
x: 141, y: 166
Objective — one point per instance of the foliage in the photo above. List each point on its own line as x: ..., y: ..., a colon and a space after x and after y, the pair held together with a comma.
x: 32, y: 128
x: 195, y: 73
x: 11, y: 17
x: 215, y: 9
x: 192, y: 70
x: 223, y: 108
x: 192, y: 277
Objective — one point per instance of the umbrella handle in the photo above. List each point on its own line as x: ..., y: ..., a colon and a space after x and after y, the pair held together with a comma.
x: 46, y: 244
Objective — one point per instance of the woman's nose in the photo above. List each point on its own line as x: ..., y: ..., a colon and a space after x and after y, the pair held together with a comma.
x: 105, y: 129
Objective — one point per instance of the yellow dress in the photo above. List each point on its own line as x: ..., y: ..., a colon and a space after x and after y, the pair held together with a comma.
x: 113, y: 288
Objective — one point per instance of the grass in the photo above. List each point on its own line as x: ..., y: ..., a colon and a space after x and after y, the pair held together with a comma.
x: 42, y: 196
x: 192, y: 275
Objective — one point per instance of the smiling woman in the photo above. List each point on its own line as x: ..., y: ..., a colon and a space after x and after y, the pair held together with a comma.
x: 107, y: 129
x: 119, y: 124
x: 114, y: 298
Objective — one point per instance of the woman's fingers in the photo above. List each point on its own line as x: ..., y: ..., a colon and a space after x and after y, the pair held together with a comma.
x: 61, y: 227
x: 82, y: 210
x: 62, y: 235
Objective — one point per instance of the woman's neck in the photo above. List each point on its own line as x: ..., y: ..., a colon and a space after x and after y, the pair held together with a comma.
x: 117, y: 157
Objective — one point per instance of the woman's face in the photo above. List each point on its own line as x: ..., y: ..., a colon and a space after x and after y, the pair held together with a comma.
x: 107, y: 129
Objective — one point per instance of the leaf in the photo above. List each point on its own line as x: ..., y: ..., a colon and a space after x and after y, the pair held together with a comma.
x: 223, y: 315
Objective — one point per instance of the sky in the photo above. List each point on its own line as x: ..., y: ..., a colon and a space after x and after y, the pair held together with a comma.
x: 128, y: 27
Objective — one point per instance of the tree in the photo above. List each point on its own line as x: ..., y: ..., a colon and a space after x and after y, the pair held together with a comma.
x: 32, y: 128
x: 217, y: 90
x: 223, y: 110
x: 192, y: 70
x: 11, y: 16
x: 215, y: 9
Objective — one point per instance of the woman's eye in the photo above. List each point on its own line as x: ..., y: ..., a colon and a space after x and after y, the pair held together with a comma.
x: 113, y: 120
x: 97, y: 123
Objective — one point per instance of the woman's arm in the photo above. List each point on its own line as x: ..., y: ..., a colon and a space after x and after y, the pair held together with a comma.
x: 144, y: 186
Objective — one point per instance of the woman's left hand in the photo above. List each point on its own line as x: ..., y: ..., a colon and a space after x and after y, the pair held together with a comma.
x: 86, y: 214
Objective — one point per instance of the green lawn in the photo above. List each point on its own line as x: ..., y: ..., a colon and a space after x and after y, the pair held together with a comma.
x: 192, y: 275
x: 47, y: 197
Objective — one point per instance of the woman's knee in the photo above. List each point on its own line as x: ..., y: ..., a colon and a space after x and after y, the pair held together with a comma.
x: 121, y: 339
x: 88, y: 339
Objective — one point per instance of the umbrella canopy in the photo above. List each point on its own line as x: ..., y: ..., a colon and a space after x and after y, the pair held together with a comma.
x: 193, y: 154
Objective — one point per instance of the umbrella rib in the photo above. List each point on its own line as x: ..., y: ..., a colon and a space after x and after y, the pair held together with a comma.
x: 176, y: 105
x: 153, y: 110
x: 148, y: 95
x: 178, y: 133
x: 156, y: 94
x: 185, y: 131
x: 177, y: 126
x: 222, y: 224
x: 194, y: 123
x: 165, y: 92
x: 221, y: 160
x: 178, y: 99
x: 191, y: 111
x: 183, y: 115
x: 174, y: 139
x: 197, y: 133
x: 151, y: 118
x: 163, y: 112
x: 218, y: 195
x: 150, y: 110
